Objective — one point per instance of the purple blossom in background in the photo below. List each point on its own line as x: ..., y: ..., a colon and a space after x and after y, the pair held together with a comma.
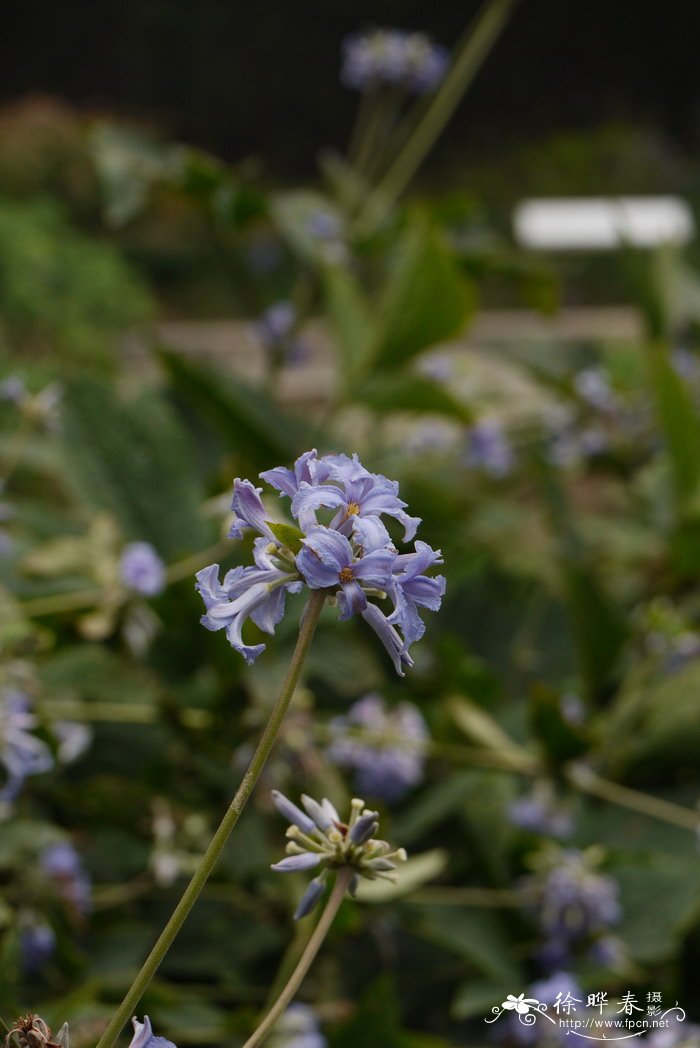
x: 144, y: 1036
x: 679, y: 1034
x: 592, y: 385
x: 275, y: 331
x: 539, y: 812
x: 13, y: 389
x: 298, y: 1028
x: 395, y: 57
x: 142, y: 570
x: 389, y: 763
x: 489, y: 449
x: 37, y: 942
x: 542, y: 1032
x: 324, y: 225
x: 352, y: 557
x: 571, y: 901
x: 21, y: 753
x: 62, y: 865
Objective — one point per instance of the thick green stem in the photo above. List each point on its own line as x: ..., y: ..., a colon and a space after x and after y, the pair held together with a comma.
x: 191, y: 893
x: 305, y: 961
x: 469, y: 57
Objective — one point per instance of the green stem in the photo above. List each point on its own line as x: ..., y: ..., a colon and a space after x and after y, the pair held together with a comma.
x: 469, y: 57
x: 201, y: 875
x: 588, y: 781
x: 305, y: 961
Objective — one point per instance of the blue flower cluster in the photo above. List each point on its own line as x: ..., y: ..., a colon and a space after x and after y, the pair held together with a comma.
x: 573, y: 903
x: 384, y: 747
x: 393, y: 56
x: 539, y: 811
x: 62, y: 865
x: 142, y: 570
x: 352, y: 558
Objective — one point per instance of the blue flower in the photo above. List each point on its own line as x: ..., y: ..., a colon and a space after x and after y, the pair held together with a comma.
x: 37, y: 942
x: 388, y: 756
x: 540, y: 812
x: 331, y: 843
x: 145, y: 1038
x: 275, y: 330
x: 21, y: 753
x: 489, y: 449
x: 413, y: 588
x: 392, y: 56
x: 328, y: 560
x: 61, y: 864
x: 352, y: 557
x: 142, y: 570
x: 571, y: 901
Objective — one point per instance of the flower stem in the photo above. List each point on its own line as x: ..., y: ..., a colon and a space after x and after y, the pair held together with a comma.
x: 305, y: 961
x: 469, y: 57
x: 203, y: 871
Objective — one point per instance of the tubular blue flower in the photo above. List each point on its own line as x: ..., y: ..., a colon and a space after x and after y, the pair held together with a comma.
x: 145, y: 1038
x: 327, y: 560
x: 352, y: 558
x: 257, y: 593
x: 142, y: 570
x: 354, y: 492
x: 390, y: 760
x: 292, y: 813
x: 412, y: 587
x: 334, y: 844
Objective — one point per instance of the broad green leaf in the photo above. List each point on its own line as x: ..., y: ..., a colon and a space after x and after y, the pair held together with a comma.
x: 660, y: 897
x: 254, y: 427
x: 134, y: 459
x: 478, y: 936
x: 411, y: 875
x: 351, y: 323
x: 393, y: 391
x: 679, y: 424
x: 426, y: 300
x: 476, y: 997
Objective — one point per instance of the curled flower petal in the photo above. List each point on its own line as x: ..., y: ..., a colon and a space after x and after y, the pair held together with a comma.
x: 249, y: 510
x: 145, y: 1038
x: 388, y: 636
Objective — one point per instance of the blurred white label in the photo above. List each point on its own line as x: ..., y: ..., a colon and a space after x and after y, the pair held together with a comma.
x: 602, y: 223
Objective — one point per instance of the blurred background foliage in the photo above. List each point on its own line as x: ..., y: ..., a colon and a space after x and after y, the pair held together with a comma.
x: 145, y: 361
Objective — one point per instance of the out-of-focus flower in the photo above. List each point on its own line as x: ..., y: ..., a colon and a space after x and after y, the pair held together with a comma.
x: 540, y: 812
x: 73, y: 739
x: 388, y: 762
x: 275, y: 330
x: 144, y: 1036
x: 37, y: 941
x: 593, y: 386
x: 395, y: 57
x: 352, y: 558
x: 678, y: 1034
x: 298, y: 1027
x: 319, y: 838
x: 573, y: 904
x: 62, y: 865
x: 142, y: 570
x: 489, y: 449
x: 21, y: 752
x: 13, y: 388
x: 558, y: 986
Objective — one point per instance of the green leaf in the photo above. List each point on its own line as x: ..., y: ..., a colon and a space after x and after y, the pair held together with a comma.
x: 376, y: 1020
x: 411, y: 875
x: 251, y: 423
x: 350, y: 319
x: 478, y: 936
x: 679, y: 424
x: 660, y: 902
x: 134, y: 460
x: 409, y: 392
x: 426, y: 300
x: 287, y: 534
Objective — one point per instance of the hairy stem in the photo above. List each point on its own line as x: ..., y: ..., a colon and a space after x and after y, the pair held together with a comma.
x: 305, y: 961
x: 201, y: 875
